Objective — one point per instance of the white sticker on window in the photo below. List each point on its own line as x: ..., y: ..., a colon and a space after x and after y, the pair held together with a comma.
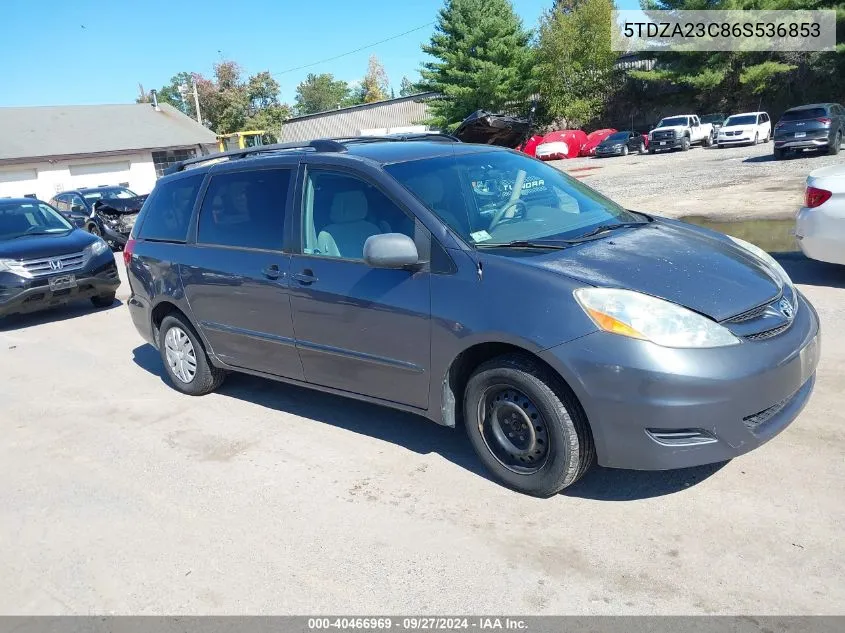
x: 480, y: 236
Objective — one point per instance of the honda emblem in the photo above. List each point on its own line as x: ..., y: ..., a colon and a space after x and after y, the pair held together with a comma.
x: 56, y: 264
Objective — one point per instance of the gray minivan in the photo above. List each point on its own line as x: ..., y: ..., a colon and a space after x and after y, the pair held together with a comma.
x: 472, y: 285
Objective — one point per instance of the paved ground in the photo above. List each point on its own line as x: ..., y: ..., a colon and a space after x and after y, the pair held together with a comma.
x: 734, y: 182
x: 119, y: 495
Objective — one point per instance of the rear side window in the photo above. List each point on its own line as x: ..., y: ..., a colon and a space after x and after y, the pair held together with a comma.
x: 167, y: 212
x: 801, y: 115
x: 245, y: 209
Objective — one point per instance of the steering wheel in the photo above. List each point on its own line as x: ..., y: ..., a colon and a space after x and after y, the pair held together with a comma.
x: 500, y: 214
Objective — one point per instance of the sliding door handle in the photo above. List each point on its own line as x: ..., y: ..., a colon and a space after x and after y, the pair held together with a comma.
x: 306, y: 277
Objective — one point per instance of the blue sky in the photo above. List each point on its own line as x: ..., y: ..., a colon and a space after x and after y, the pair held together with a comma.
x: 50, y: 59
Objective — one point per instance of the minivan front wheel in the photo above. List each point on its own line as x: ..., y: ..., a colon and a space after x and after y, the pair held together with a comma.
x: 529, y: 431
x: 185, y: 360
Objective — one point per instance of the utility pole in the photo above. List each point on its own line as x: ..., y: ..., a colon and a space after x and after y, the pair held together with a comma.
x: 196, y: 101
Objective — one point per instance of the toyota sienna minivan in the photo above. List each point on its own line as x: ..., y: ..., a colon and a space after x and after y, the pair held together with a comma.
x: 472, y: 285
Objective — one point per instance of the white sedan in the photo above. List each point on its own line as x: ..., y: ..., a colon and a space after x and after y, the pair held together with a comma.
x: 820, y: 224
x: 749, y: 127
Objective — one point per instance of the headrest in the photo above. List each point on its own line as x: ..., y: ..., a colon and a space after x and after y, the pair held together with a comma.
x: 348, y: 206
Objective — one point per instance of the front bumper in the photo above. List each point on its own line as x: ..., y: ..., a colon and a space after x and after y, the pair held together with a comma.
x: 657, y: 408
x: 114, y: 236
x: 665, y: 143
x: 734, y: 140
x: 19, y: 295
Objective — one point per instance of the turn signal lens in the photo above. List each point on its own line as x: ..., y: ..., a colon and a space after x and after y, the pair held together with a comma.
x: 610, y: 324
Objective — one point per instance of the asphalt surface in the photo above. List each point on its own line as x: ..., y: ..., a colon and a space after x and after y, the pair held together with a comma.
x: 732, y: 182
x: 119, y: 495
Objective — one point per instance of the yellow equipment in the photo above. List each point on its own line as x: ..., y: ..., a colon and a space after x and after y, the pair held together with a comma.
x: 241, y: 140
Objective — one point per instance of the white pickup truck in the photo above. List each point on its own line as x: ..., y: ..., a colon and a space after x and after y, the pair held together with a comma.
x: 679, y: 132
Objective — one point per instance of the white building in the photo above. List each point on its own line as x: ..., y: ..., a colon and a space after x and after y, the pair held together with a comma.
x: 47, y: 149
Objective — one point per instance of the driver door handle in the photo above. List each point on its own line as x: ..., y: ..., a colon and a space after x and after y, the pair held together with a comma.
x: 306, y: 277
x: 272, y: 272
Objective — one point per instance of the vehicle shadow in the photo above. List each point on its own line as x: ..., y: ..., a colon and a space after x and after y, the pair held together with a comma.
x: 765, y: 158
x: 803, y: 270
x: 422, y: 436
x: 52, y: 315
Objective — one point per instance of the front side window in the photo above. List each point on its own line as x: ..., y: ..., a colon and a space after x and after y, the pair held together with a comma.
x: 245, y: 209
x: 19, y: 220
x: 496, y: 197
x: 340, y: 212
x: 61, y: 203
x: 167, y: 212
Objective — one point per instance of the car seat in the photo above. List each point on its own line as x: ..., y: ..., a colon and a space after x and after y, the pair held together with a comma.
x: 349, y: 228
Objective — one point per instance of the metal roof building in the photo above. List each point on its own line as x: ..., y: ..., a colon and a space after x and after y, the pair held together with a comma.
x: 403, y: 114
x: 47, y: 149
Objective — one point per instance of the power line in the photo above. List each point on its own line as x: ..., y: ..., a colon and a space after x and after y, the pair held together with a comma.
x: 357, y: 50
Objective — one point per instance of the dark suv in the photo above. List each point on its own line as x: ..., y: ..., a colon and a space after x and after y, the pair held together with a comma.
x: 471, y: 282
x: 107, y: 212
x: 820, y: 126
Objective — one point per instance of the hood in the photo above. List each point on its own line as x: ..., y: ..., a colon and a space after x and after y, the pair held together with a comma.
x: 492, y: 129
x: 682, y: 263
x: 120, y: 205
x: 35, y: 246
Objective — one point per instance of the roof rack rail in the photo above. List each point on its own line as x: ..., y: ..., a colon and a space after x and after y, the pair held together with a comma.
x: 318, y: 145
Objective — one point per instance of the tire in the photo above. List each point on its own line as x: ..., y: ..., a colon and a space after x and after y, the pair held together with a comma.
x: 833, y: 150
x: 206, y: 377
x: 93, y: 229
x: 103, y: 301
x: 651, y: 150
x: 642, y: 148
x: 708, y: 141
x: 624, y: 150
x: 685, y: 144
x: 778, y: 154
x: 756, y: 138
x: 521, y: 389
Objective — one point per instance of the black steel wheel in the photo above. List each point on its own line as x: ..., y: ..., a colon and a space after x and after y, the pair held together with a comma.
x: 526, y: 425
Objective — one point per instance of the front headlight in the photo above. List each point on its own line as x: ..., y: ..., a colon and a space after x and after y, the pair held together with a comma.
x: 770, y: 261
x: 3, y: 266
x: 97, y: 248
x: 641, y: 316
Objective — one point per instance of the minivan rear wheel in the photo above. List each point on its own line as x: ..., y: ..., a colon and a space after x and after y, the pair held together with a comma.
x: 185, y: 361
x: 528, y: 430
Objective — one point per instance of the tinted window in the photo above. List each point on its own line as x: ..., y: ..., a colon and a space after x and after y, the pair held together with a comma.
x: 746, y: 119
x: 619, y: 136
x: 167, y: 212
x: 800, y: 115
x: 35, y: 218
x: 474, y: 194
x: 673, y: 121
x: 119, y: 193
x: 339, y: 213
x: 245, y: 209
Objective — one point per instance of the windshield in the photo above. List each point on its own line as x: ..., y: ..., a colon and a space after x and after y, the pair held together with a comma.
x: 497, y: 197
x: 119, y: 193
x: 29, y: 218
x: 807, y: 113
x: 673, y: 121
x: 619, y: 136
x: 748, y: 119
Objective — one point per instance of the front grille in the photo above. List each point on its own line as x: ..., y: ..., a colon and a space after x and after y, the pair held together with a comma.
x: 753, y: 313
x: 759, y: 336
x: 663, y: 136
x: 753, y: 422
x: 48, y: 265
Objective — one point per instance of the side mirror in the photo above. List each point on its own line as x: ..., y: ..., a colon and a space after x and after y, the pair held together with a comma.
x: 390, y: 250
x: 77, y: 208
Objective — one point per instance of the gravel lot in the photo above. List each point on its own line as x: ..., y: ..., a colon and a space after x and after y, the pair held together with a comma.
x: 122, y: 496
x: 731, y: 183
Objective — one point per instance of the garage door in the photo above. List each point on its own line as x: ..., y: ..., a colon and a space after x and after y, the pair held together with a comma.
x: 15, y: 183
x: 98, y: 174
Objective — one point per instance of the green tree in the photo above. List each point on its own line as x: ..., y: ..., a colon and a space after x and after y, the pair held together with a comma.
x: 735, y: 80
x: 573, y: 67
x: 408, y: 88
x: 375, y: 85
x: 319, y: 93
x: 481, y: 57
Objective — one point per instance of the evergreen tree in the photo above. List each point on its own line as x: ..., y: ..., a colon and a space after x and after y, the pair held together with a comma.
x: 481, y: 59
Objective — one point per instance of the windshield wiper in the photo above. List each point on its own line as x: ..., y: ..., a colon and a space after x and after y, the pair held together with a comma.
x: 523, y: 244
x: 39, y: 233
x: 604, y: 228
